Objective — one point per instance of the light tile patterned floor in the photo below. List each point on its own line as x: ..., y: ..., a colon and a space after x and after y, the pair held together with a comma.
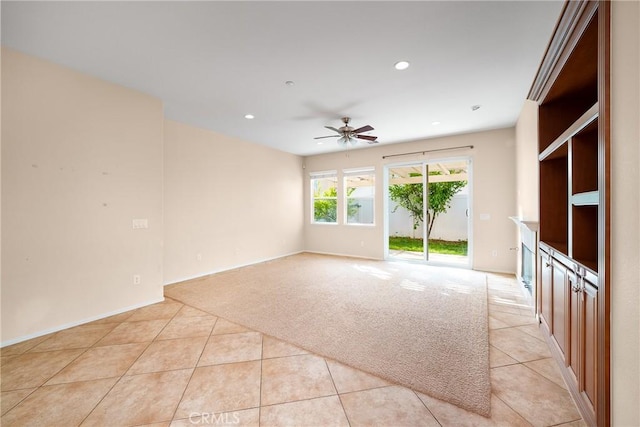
x: 172, y: 365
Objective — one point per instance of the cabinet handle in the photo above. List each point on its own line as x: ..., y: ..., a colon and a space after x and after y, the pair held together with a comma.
x: 576, y: 288
x: 546, y: 264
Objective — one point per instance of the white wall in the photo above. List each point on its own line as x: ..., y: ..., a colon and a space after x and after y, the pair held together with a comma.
x: 227, y: 202
x: 1, y: 198
x: 625, y: 221
x: 527, y: 162
x: 81, y: 158
x: 493, y: 196
x: 527, y: 168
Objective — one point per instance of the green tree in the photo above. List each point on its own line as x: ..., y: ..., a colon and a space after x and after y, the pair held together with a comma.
x: 409, y: 196
x: 325, y: 205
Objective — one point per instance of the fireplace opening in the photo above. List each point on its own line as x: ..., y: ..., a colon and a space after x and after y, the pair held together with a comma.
x: 527, y: 267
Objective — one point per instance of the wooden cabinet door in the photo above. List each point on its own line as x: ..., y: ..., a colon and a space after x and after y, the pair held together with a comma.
x: 546, y: 294
x: 589, y: 334
x: 568, y: 312
x: 581, y: 357
x: 560, y: 313
x: 576, y: 317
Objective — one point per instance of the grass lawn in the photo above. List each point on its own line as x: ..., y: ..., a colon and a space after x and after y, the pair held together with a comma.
x: 435, y: 246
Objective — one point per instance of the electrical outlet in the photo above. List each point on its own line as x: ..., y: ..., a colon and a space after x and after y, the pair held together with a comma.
x: 494, y: 253
x: 137, y: 279
x: 199, y: 257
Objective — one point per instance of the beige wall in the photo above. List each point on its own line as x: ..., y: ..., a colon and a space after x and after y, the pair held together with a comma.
x: 493, y: 168
x: 625, y: 221
x: 527, y: 162
x: 81, y: 158
x: 1, y: 198
x: 227, y: 202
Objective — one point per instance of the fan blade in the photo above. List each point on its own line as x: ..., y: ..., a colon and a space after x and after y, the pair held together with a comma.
x: 363, y: 129
x: 367, y: 137
x: 333, y: 129
x: 330, y: 136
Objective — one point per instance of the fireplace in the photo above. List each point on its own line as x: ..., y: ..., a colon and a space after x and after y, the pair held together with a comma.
x: 526, y: 271
x: 528, y: 268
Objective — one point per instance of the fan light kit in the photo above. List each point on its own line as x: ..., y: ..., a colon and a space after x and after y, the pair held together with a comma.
x: 348, y: 134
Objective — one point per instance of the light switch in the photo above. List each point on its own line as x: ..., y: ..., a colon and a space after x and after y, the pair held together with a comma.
x: 485, y: 217
x: 140, y: 223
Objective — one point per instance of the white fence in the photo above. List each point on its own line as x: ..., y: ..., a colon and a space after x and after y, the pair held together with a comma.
x: 451, y: 225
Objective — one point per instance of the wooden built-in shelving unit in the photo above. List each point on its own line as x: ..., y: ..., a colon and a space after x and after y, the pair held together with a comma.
x: 572, y: 91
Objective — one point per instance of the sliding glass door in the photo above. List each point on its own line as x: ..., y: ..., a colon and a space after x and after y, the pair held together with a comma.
x: 405, y: 217
x: 427, y: 216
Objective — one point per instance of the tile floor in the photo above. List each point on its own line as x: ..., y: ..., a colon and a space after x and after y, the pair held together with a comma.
x: 172, y: 365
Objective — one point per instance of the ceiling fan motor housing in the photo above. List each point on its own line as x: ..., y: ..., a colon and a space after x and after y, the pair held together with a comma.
x: 346, y: 128
x: 350, y: 134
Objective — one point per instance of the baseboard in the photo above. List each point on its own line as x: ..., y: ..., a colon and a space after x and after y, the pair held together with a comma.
x: 220, y: 270
x: 78, y: 323
x: 429, y: 263
x: 342, y: 255
x: 511, y: 273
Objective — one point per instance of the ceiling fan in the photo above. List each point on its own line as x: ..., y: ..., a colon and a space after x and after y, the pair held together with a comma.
x: 348, y: 134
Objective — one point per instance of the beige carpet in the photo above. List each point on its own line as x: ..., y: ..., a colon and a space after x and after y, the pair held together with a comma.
x: 423, y: 327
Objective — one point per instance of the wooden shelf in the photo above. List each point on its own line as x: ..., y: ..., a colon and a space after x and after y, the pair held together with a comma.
x: 583, y: 121
x: 554, y: 200
x: 589, y: 198
x: 591, y: 264
x: 584, y: 233
x: 584, y: 159
x: 559, y: 251
x: 556, y: 246
x: 571, y: 88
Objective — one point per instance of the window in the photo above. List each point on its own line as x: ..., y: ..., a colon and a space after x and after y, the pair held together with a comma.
x: 324, y: 191
x: 359, y: 192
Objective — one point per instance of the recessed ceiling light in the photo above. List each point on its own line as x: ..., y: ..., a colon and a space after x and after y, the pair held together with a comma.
x: 289, y: 83
x: 436, y: 123
x: 475, y: 107
x: 401, y: 65
x: 249, y: 116
x: 319, y: 143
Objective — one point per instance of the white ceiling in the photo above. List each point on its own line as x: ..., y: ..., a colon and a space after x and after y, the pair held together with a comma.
x: 213, y: 62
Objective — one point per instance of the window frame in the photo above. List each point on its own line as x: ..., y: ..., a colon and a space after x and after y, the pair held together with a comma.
x: 349, y: 173
x: 313, y: 176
